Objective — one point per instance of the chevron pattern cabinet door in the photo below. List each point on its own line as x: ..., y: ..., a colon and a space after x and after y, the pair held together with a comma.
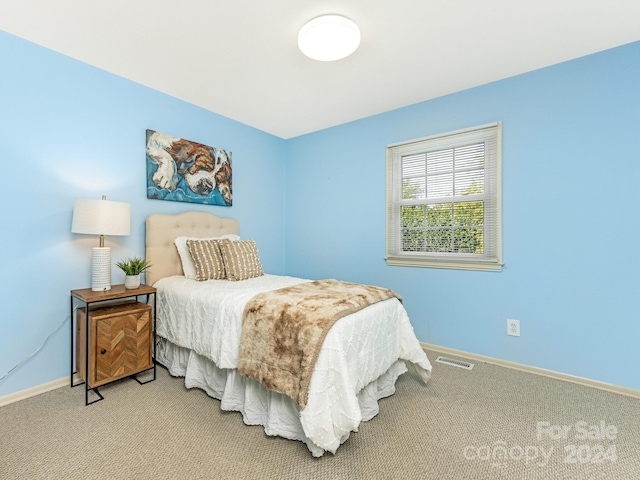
x: 120, y: 342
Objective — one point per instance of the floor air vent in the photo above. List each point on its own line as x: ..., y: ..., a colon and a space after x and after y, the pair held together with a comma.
x: 455, y: 363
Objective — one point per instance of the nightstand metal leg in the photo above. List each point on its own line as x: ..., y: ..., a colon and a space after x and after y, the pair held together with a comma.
x: 155, y: 339
x: 71, y: 370
x: 86, y: 396
x: 153, y: 346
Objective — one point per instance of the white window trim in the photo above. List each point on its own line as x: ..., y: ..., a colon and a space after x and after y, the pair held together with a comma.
x: 441, y: 260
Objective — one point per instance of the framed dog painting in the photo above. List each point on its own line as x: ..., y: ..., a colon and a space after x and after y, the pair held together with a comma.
x: 184, y: 171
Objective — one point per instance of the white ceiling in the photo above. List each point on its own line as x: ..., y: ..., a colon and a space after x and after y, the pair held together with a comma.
x: 239, y: 58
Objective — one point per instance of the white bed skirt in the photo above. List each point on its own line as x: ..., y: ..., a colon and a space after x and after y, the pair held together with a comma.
x: 277, y: 413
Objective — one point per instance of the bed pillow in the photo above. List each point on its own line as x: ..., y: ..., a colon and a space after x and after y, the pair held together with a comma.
x: 207, y: 259
x: 241, y: 259
x: 188, y: 267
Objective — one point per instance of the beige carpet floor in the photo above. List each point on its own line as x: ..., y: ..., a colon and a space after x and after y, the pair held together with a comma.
x: 487, y: 423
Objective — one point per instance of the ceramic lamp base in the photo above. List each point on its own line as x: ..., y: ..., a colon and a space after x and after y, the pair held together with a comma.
x: 101, y: 269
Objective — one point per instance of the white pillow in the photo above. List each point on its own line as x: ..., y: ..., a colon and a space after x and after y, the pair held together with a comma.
x: 188, y: 267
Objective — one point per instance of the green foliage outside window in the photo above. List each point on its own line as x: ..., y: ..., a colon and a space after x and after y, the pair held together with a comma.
x: 456, y: 227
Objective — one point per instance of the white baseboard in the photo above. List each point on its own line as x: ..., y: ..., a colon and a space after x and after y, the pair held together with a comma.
x: 630, y: 392
x: 37, y: 390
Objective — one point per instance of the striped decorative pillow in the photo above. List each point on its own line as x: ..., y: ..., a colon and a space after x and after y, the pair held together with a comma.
x: 188, y: 268
x: 241, y: 259
x: 207, y: 259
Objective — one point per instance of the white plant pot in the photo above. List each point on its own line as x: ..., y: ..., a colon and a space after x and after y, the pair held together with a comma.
x: 131, y: 281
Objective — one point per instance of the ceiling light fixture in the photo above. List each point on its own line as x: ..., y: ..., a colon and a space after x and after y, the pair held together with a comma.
x: 328, y: 38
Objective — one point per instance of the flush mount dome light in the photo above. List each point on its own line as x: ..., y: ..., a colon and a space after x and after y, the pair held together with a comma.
x: 328, y: 38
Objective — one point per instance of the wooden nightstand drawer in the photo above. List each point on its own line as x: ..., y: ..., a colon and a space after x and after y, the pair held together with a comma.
x: 120, y: 341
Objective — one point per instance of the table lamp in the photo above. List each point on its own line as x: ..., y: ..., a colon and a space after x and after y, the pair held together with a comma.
x: 101, y: 217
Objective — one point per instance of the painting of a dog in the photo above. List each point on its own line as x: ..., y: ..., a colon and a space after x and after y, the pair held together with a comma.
x: 185, y: 171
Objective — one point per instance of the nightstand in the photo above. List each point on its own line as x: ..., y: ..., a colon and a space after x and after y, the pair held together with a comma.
x: 115, y: 336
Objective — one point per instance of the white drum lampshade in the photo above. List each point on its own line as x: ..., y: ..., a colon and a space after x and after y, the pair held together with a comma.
x: 101, y: 217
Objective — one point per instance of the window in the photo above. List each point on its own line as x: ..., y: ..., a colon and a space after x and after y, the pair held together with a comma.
x: 444, y: 200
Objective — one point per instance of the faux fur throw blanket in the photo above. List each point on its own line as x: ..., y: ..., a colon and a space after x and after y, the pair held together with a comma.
x: 283, y: 331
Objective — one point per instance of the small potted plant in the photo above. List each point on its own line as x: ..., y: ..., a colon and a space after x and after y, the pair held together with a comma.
x: 132, y: 268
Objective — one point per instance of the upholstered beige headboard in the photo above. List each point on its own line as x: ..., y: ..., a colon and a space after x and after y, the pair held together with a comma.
x: 163, y: 229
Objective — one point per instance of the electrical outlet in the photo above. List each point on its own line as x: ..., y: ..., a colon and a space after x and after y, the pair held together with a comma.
x: 513, y: 327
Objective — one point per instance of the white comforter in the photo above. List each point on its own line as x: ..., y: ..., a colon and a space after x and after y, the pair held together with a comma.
x: 206, y: 317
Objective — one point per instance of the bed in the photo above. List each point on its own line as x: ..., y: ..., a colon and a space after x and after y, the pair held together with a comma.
x: 199, y: 327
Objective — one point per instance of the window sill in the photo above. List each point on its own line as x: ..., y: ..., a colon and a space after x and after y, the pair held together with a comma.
x: 448, y: 264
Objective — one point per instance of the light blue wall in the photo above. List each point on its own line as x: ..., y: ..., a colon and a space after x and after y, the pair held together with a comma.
x: 571, y: 175
x: 571, y: 132
x: 69, y: 130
